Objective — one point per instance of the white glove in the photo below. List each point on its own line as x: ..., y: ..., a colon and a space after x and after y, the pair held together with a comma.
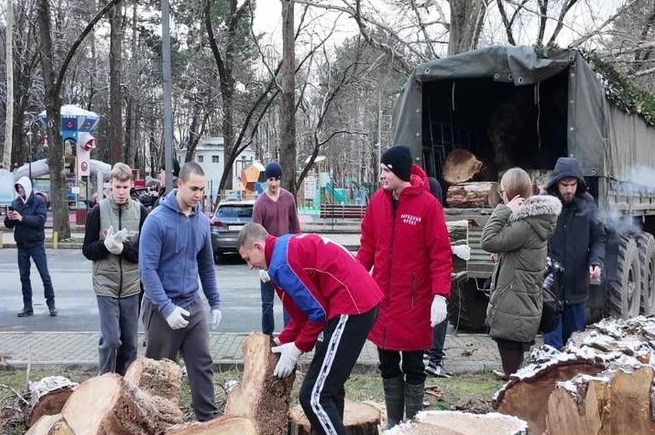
x: 289, y: 354
x: 112, y: 245
x: 216, y: 318
x: 263, y: 275
x: 176, y: 320
x: 438, y: 310
x: 122, y: 235
x: 462, y: 251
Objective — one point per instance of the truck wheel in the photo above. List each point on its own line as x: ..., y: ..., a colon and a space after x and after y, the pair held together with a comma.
x: 467, y: 306
x: 624, y: 292
x: 646, y: 247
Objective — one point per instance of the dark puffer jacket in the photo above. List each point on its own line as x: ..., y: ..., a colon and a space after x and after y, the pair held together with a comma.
x: 30, y: 231
x: 579, y: 239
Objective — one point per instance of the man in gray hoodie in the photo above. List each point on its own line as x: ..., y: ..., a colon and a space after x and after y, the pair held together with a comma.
x: 27, y: 216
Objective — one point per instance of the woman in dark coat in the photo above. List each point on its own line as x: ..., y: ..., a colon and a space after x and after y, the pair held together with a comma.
x: 518, y: 232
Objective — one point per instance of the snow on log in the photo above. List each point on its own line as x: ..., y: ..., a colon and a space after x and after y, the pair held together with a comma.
x: 261, y: 397
x: 476, y: 194
x: 460, y: 423
x: 596, y: 374
x: 359, y: 418
x: 221, y: 425
x: 48, y: 396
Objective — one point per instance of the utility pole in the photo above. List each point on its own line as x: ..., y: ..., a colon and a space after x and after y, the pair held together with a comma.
x: 168, y: 105
x: 9, y: 120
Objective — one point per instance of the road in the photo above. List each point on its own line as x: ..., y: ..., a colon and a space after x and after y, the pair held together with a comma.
x: 76, y: 302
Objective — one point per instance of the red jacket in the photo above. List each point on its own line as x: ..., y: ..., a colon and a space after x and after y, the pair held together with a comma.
x: 409, y: 251
x: 317, y: 280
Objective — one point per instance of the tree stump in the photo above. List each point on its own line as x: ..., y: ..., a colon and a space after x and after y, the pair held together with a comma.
x: 479, y: 194
x: 222, y: 426
x: 461, y: 165
x: 261, y: 397
x: 460, y: 423
x: 48, y: 396
x: 50, y: 425
x: 358, y: 418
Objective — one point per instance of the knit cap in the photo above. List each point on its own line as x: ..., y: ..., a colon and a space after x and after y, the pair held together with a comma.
x: 399, y: 160
x: 273, y: 170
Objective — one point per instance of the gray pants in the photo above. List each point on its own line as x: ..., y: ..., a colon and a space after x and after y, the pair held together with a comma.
x: 119, y: 319
x: 192, y: 342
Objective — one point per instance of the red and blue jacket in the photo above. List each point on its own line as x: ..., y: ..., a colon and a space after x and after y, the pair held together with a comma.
x: 317, y: 280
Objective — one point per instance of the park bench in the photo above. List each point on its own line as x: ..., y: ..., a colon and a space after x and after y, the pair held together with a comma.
x: 331, y: 212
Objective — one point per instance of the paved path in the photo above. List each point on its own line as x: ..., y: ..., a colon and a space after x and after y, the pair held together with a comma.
x: 465, y: 353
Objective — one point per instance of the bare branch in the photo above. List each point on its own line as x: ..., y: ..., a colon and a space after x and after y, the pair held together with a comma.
x: 606, y: 23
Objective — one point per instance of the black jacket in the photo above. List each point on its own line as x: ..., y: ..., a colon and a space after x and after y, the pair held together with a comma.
x: 30, y: 231
x: 579, y: 239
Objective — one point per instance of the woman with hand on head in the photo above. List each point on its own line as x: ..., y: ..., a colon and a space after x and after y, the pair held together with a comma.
x: 518, y: 232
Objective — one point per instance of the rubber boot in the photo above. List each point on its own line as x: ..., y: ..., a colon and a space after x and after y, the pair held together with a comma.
x: 394, y: 398
x: 511, y: 360
x: 413, y: 399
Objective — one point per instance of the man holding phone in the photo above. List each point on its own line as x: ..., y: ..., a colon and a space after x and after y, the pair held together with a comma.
x: 27, y: 216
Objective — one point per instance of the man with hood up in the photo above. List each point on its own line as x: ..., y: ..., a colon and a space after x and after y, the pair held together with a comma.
x: 28, y: 221
x: 578, y: 244
x: 405, y: 241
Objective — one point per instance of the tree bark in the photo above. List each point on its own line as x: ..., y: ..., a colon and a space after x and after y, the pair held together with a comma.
x: 358, y: 419
x: 115, y: 88
x: 48, y: 396
x: 287, y: 103
x: 222, y: 426
x: 473, y: 195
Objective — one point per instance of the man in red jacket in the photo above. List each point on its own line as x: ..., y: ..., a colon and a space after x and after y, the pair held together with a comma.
x: 332, y: 303
x: 405, y: 240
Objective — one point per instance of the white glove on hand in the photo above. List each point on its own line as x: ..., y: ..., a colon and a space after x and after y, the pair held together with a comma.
x: 176, y: 320
x: 438, y: 310
x: 462, y: 251
x: 263, y: 275
x: 122, y: 235
x: 289, y: 354
x: 216, y: 317
x: 112, y: 245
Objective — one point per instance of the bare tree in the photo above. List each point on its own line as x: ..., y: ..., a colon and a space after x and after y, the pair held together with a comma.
x: 115, y: 88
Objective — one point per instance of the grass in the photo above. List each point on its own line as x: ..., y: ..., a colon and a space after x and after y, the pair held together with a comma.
x: 470, y: 392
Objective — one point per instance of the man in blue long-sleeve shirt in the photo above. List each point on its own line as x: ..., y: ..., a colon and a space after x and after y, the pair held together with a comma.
x: 174, y: 250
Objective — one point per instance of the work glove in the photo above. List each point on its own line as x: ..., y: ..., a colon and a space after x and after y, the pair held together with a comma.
x: 462, y: 251
x: 111, y: 243
x: 289, y: 354
x: 216, y: 317
x: 176, y: 319
x: 438, y: 310
x: 122, y: 235
x: 263, y: 275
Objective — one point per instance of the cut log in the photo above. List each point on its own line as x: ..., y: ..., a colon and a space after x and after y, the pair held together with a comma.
x: 50, y: 425
x: 222, y: 425
x: 48, y: 396
x: 261, y: 397
x: 358, y: 418
x: 461, y: 165
x: 480, y: 194
x: 108, y: 404
x: 460, y: 423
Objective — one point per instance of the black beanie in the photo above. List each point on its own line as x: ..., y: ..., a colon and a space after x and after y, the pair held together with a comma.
x: 399, y: 160
x: 273, y: 170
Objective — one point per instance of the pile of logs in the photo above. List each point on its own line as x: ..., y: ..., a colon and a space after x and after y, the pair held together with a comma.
x: 600, y: 383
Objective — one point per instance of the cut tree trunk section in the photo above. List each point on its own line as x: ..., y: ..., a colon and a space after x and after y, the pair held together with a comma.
x: 222, y: 426
x: 261, y: 397
x: 358, y: 418
x: 461, y: 423
x: 48, y: 396
x: 461, y: 165
x: 480, y: 194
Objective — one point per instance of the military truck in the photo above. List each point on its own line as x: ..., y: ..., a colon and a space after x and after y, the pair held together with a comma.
x: 518, y: 106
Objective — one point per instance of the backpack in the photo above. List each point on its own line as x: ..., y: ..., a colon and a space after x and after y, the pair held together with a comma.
x: 553, y: 305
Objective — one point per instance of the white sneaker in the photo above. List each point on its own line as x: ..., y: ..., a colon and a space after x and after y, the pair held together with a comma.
x: 436, y: 369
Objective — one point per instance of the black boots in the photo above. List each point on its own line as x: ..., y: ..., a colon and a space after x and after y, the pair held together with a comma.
x: 26, y: 312
x: 413, y: 399
x: 511, y: 359
x: 394, y: 398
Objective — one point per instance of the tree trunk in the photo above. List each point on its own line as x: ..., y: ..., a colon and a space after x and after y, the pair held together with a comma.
x: 358, y: 418
x: 50, y: 425
x: 460, y: 166
x: 48, y: 396
x: 466, y: 19
x: 115, y: 89
x: 261, y: 397
x: 222, y: 426
x: 287, y: 102
x: 480, y: 194
x: 462, y: 423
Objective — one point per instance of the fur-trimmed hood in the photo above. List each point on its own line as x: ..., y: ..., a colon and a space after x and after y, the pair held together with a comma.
x: 540, y: 211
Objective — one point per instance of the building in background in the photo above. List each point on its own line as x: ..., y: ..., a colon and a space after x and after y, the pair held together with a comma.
x: 210, y: 155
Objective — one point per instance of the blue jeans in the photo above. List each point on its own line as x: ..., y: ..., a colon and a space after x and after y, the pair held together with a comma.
x: 436, y: 352
x: 119, y: 320
x: 268, y: 316
x: 573, y: 319
x: 37, y: 253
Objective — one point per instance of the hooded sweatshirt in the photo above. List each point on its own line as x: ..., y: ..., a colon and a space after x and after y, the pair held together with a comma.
x: 579, y: 239
x: 30, y: 231
x: 174, y: 249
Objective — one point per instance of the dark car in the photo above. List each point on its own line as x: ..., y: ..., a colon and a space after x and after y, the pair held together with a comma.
x: 227, y: 221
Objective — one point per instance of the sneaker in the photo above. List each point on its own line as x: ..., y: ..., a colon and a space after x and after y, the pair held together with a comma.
x: 53, y: 312
x: 436, y: 369
x: 500, y: 375
x: 25, y: 313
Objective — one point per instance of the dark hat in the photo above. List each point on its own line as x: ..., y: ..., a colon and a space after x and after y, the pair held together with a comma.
x: 399, y: 160
x: 273, y: 170
x: 176, y: 168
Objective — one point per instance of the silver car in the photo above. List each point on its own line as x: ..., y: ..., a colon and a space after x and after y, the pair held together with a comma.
x: 226, y: 222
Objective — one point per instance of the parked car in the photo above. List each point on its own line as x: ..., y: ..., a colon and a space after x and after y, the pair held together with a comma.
x: 226, y: 222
